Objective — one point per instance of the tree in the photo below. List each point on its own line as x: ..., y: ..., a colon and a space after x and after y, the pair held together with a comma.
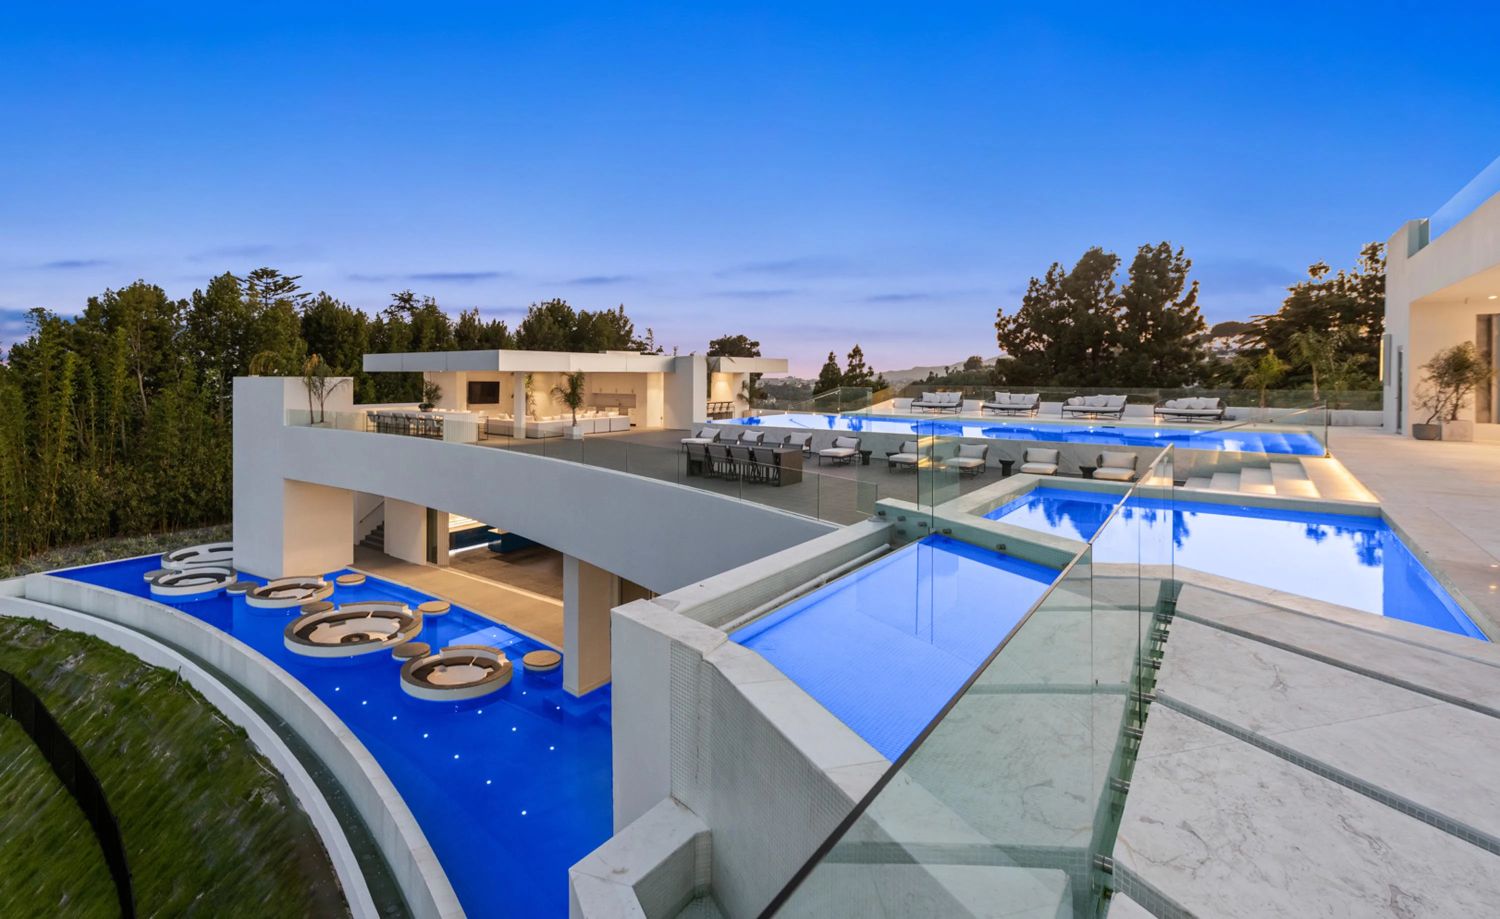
x: 974, y: 362
x: 1347, y: 304
x: 217, y: 336
x: 856, y: 373
x: 1160, y: 338
x: 1063, y: 332
x: 275, y: 304
x: 571, y: 393
x: 471, y: 333
x: 1450, y: 378
x: 830, y: 377
x: 1263, y: 372
x: 733, y: 346
x: 320, y: 384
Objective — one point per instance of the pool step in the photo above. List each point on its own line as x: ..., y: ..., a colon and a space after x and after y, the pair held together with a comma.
x: 1255, y: 480
x: 1225, y: 481
x: 1333, y: 481
x: 1291, y: 480
x: 1199, y: 481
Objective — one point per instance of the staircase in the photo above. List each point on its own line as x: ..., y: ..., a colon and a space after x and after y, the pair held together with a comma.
x: 1303, y: 477
x: 375, y: 539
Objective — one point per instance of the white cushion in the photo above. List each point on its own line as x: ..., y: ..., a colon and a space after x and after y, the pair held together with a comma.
x: 1113, y: 460
x: 963, y: 462
x: 1039, y: 468
x: 838, y: 451
x: 903, y: 458
x: 929, y: 397
x: 1041, y: 455
x: 1114, y: 475
x: 1001, y: 398
x: 955, y: 398
x: 846, y: 442
x: 972, y: 451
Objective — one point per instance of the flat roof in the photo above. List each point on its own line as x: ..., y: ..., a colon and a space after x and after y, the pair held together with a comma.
x: 512, y: 361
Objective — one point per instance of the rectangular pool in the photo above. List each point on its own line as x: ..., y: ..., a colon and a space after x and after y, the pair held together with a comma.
x: 885, y: 647
x: 510, y: 789
x: 1347, y: 559
x: 1287, y: 441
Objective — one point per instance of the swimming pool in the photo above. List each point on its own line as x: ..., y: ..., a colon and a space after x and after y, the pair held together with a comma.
x: 510, y: 789
x: 1347, y: 559
x: 885, y: 647
x: 1290, y: 441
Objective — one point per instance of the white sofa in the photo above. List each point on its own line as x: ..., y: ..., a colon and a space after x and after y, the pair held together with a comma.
x: 1095, y: 406
x: 1014, y: 403
x: 939, y: 402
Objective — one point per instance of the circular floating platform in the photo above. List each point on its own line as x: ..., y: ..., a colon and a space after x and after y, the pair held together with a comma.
x: 213, y: 554
x: 284, y: 593
x: 456, y: 673
x: 434, y: 607
x: 410, y: 649
x: 352, y: 629
x: 316, y: 606
x: 193, y: 583
x: 349, y: 580
x: 541, y: 661
x: 241, y: 587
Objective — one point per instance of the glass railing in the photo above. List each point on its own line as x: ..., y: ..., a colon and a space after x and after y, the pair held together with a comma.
x: 1479, y: 190
x: 1140, y: 402
x: 773, y: 474
x: 1012, y: 794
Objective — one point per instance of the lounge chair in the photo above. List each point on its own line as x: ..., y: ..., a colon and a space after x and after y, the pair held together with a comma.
x: 1116, y: 467
x: 1039, y: 461
x: 802, y: 442
x: 939, y: 402
x: 703, y: 437
x: 971, y: 459
x: 905, y: 456
x: 1192, y: 408
x: 1095, y: 406
x: 1014, y: 403
x: 752, y: 438
x: 843, y: 452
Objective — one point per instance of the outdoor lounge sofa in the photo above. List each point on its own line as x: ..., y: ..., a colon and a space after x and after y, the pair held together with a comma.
x: 1095, y: 406
x: 1039, y: 461
x: 971, y: 459
x: 905, y: 456
x: 939, y: 402
x: 1116, y: 466
x: 844, y: 451
x: 1192, y: 408
x: 1014, y: 403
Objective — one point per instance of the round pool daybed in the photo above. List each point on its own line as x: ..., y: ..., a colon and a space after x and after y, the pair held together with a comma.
x: 456, y: 673
x: 193, y: 583
x: 284, y: 593
x: 349, y: 580
x: 352, y: 629
x: 541, y: 661
x: 213, y: 554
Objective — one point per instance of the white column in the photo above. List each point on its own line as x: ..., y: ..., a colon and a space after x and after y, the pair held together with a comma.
x: 406, y: 531
x: 518, y: 408
x: 589, y: 593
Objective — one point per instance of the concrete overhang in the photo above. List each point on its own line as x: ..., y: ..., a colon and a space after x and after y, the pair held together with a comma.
x: 747, y: 364
x: 507, y: 361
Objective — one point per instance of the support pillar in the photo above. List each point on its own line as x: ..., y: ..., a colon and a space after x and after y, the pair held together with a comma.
x: 518, y: 406
x: 589, y: 593
x: 406, y: 531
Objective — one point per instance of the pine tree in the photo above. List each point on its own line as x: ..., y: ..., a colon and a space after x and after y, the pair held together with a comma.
x: 830, y: 377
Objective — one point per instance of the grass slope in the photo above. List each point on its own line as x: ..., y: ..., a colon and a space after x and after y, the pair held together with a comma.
x: 210, y: 828
x: 104, y: 550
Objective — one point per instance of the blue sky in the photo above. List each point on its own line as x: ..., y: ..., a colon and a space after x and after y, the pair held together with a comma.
x: 810, y: 174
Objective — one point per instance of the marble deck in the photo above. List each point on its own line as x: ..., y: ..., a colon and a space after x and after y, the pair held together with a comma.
x: 1298, y: 764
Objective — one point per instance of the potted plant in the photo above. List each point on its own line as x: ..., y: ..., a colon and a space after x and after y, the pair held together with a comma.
x: 571, y: 393
x: 1448, y: 380
x: 431, y: 393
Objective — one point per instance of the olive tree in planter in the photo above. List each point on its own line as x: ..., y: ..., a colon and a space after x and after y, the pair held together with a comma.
x: 431, y: 393
x: 1448, y: 380
x: 319, y: 386
x: 571, y: 393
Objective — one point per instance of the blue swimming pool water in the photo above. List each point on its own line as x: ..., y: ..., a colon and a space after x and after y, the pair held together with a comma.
x: 1340, y: 558
x: 1235, y: 439
x: 1065, y: 511
x: 511, y: 789
x: 885, y: 647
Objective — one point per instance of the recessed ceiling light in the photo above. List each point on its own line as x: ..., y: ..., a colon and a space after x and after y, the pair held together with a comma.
x: 1495, y: 296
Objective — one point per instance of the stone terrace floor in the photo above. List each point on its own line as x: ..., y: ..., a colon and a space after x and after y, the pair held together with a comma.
x: 1445, y: 498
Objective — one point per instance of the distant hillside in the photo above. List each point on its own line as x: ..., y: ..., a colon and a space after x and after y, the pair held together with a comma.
x: 917, y: 374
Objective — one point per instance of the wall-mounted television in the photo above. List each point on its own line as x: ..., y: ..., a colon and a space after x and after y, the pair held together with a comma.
x: 484, y: 392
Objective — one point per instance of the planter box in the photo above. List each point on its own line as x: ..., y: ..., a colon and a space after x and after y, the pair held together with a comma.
x: 1459, y: 431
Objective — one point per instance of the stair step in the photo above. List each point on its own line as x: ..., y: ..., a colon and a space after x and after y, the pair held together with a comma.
x: 1225, y: 481
x: 1256, y: 481
x: 1199, y: 481
x: 1291, y: 480
x: 1333, y: 481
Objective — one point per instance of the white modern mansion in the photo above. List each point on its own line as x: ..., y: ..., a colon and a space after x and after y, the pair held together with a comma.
x: 1442, y: 289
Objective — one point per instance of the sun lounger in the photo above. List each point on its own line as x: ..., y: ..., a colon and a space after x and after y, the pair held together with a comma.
x: 704, y: 436
x: 843, y: 452
x: 939, y: 402
x: 905, y: 456
x: 1014, y: 403
x: 1095, y: 407
x: 1039, y: 461
x: 802, y: 442
x: 971, y: 459
x: 1116, y: 467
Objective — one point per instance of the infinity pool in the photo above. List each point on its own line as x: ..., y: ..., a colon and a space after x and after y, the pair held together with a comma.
x: 1340, y: 558
x: 510, y: 789
x: 1289, y: 441
x: 885, y: 647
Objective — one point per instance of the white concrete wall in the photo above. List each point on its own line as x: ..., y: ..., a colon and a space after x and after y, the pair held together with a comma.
x: 589, y: 593
x: 686, y: 394
x: 406, y: 531
x: 380, y: 806
x: 234, y: 710
x: 658, y: 534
